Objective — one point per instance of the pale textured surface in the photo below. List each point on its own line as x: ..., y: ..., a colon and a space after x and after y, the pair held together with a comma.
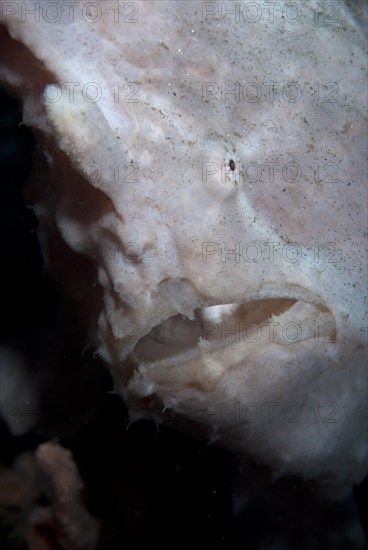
x: 170, y: 212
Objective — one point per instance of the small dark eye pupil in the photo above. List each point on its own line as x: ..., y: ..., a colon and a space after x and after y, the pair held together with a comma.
x: 232, y: 165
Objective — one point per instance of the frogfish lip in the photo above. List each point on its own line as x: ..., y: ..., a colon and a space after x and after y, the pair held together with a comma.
x: 221, y: 335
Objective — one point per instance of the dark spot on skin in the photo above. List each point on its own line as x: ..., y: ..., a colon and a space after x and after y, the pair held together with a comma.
x: 232, y: 165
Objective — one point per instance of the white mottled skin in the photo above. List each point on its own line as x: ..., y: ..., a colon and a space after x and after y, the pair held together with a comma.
x: 170, y: 212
